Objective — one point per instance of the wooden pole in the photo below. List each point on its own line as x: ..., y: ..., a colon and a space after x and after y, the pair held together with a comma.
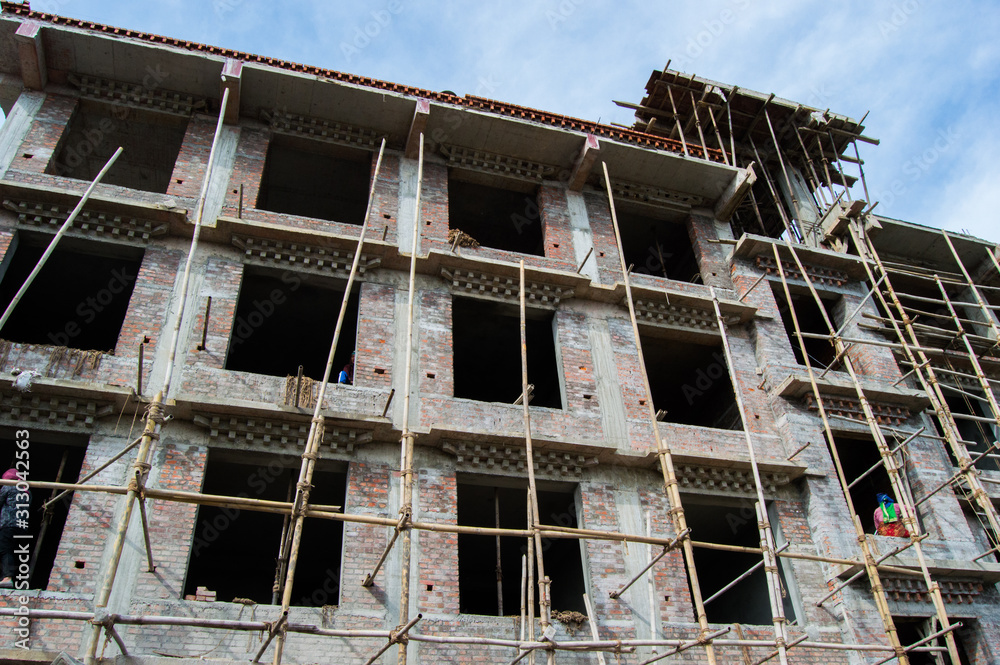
x: 662, y: 450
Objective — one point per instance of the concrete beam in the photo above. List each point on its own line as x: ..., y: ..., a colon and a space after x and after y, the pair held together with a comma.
x: 584, y: 162
x: 31, y: 52
x: 734, y: 194
x: 232, y: 78
x: 421, y: 114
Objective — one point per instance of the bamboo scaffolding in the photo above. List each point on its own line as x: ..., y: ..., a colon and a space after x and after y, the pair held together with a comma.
x: 614, y: 646
x: 742, y: 576
x: 878, y: 591
x: 767, y: 546
x: 544, y: 599
x: 407, y: 437
x: 317, y: 427
x: 154, y: 417
x: 895, y: 479
x: 395, y: 637
x: 666, y: 550
x: 662, y: 450
x: 926, y: 374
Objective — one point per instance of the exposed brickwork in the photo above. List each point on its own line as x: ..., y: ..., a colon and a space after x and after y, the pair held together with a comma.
x: 437, y: 572
x: 192, y: 160
x: 171, y: 525
x: 38, y: 150
x: 376, y: 336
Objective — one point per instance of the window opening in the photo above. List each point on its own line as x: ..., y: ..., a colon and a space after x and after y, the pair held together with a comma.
x: 732, y: 523
x: 47, y: 452
x: 151, y: 143
x: 478, y: 503
x: 690, y: 382
x: 287, y: 319
x: 496, y: 217
x: 80, y: 297
x: 487, y: 352
x: 315, y: 179
x: 658, y: 247
x: 821, y: 352
x: 235, y: 551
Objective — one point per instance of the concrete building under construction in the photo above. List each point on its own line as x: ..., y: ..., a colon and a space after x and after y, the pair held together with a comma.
x: 610, y: 394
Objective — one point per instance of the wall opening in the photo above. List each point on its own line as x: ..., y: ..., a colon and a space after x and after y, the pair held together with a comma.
x: 690, y: 382
x: 978, y: 436
x: 478, y: 502
x: 856, y: 457
x: 496, y: 217
x: 235, y: 552
x: 487, y: 352
x: 80, y: 297
x: 658, y: 247
x: 732, y: 523
x: 914, y: 629
x: 151, y: 143
x: 315, y: 179
x: 47, y: 453
x: 287, y: 319
x: 821, y: 352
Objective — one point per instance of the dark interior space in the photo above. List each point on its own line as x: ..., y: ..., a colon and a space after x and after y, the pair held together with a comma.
x: 821, y: 352
x: 315, y: 179
x: 477, y: 555
x: 46, y: 455
x: 287, y: 319
x: 731, y: 523
x: 235, y: 552
x: 857, y: 456
x: 499, y: 218
x: 914, y: 629
x: 487, y: 348
x: 978, y: 436
x: 151, y: 142
x: 78, y: 300
x: 658, y: 247
x: 690, y: 382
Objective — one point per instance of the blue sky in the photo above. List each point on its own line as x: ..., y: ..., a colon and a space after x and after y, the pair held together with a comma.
x: 928, y: 72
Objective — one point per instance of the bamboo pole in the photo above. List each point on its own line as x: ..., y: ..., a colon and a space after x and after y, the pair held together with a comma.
x: 926, y: 373
x: 677, y: 121
x: 66, y: 226
x: 878, y: 591
x: 270, y: 636
x: 767, y: 546
x: 317, y: 426
x: 114, y: 458
x: 396, y: 637
x: 745, y: 574
x: 407, y: 437
x: 593, y: 627
x: 652, y: 562
x: 499, y: 570
x: 896, y: 481
x: 544, y: 601
x: 150, y: 433
x: 662, y: 450
x: 46, y: 517
x: 617, y: 646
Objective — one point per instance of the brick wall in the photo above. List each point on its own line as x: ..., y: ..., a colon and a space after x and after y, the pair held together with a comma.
x: 376, y: 336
